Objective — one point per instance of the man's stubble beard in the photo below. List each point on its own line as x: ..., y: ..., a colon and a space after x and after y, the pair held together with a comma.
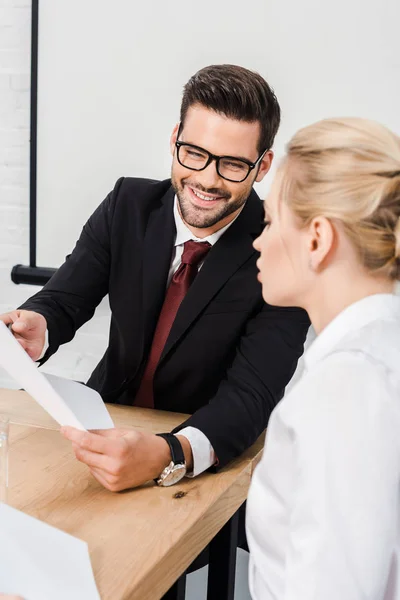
x: 195, y: 217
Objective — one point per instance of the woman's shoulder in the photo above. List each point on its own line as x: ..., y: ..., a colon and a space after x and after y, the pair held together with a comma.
x: 348, y: 382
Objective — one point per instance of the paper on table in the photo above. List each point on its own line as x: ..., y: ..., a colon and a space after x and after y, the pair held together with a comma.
x: 39, y: 562
x: 68, y: 402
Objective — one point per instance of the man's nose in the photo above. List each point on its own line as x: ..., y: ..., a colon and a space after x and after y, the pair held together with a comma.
x: 209, y: 177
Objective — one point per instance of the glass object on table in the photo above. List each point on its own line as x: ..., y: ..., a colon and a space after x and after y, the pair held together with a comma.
x: 4, y: 427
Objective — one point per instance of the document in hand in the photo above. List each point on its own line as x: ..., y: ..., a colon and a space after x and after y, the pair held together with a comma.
x: 39, y: 562
x: 68, y: 402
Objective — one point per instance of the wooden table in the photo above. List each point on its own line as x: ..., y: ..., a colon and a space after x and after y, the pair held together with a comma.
x: 140, y: 541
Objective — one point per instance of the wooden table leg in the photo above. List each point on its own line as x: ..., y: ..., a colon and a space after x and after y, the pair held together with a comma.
x: 222, y: 565
x: 178, y: 590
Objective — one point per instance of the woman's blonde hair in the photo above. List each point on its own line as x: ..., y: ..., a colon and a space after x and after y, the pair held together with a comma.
x: 348, y: 170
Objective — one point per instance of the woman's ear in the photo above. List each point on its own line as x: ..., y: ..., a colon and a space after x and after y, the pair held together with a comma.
x: 264, y: 166
x: 174, y: 137
x: 321, y: 240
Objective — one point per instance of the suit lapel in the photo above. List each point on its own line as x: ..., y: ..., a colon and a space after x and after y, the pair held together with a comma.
x: 223, y: 260
x: 157, y: 249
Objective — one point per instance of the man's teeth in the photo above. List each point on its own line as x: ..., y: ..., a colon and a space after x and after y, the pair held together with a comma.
x: 203, y: 197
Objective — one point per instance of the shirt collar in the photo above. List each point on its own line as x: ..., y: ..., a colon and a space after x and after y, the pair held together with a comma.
x: 183, y: 233
x: 354, y: 317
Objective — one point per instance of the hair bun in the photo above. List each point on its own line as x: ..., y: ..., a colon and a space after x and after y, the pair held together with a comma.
x: 393, y: 174
x: 396, y: 233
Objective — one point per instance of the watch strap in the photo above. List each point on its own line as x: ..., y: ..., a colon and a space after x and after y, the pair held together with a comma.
x: 177, y: 454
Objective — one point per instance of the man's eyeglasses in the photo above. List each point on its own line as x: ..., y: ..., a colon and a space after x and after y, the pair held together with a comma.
x: 228, y: 167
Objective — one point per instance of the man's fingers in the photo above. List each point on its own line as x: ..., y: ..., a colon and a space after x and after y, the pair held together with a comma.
x: 19, y: 319
x: 20, y: 326
x: 33, y: 349
x: 22, y: 340
x: 112, y: 433
x: 22, y: 319
x: 32, y: 353
x: 87, y: 440
x: 94, y: 460
x: 99, y: 475
x: 8, y: 319
x: 107, y: 481
x: 28, y: 321
x: 29, y: 328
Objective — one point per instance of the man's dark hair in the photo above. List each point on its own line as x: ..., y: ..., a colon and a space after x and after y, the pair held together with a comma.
x: 236, y: 93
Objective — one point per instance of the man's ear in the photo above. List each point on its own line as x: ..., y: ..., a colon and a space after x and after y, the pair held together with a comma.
x: 174, y: 137
x: 264, y: 165
x: 321, y: 240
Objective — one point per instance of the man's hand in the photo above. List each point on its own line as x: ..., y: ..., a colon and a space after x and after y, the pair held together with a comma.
x: 122, y: 458
x: 29, y: 328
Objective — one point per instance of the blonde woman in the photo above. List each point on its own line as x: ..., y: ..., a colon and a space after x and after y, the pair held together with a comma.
x: 323, y: 517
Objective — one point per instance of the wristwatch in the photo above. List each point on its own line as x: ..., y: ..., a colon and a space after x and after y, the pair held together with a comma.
x: 177, y: 467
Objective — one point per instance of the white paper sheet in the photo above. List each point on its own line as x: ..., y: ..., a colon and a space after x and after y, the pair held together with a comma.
x: 86, y: 404
x: 40, y: 562
x: 68, y: 402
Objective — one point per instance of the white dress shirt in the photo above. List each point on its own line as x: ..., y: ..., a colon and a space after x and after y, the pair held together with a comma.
x: 323, y: 514
x: 203, y: 452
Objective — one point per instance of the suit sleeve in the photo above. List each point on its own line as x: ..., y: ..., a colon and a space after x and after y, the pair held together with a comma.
x: 71, y: 296
x: 265, y: 361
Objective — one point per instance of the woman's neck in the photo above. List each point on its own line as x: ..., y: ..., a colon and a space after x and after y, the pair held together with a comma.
x: 334, y: 294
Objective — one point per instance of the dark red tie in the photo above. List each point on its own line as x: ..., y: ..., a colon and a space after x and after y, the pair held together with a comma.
x: 193, y: 254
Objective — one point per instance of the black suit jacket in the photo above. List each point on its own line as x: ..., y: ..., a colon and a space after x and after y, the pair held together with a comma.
x: 228, y: 356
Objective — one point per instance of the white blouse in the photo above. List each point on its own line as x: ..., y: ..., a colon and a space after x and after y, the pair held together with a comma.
x: 323, y: 514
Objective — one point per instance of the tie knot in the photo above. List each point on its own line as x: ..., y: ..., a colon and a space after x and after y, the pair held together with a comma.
x: 194, y: 252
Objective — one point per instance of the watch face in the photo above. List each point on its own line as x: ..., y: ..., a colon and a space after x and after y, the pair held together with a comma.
x: 173, y: 475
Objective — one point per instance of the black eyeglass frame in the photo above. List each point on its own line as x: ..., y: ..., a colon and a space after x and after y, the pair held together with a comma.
x: 217, y: 159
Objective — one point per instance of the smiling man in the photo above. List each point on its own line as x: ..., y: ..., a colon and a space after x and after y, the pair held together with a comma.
x: 189, y: 331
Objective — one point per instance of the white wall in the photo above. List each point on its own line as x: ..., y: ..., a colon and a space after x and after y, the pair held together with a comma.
x: 113, y: 94
x: 351, y: 46
x: 77, y: 359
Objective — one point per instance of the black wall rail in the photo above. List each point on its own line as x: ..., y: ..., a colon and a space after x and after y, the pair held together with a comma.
x: 32, y: 274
